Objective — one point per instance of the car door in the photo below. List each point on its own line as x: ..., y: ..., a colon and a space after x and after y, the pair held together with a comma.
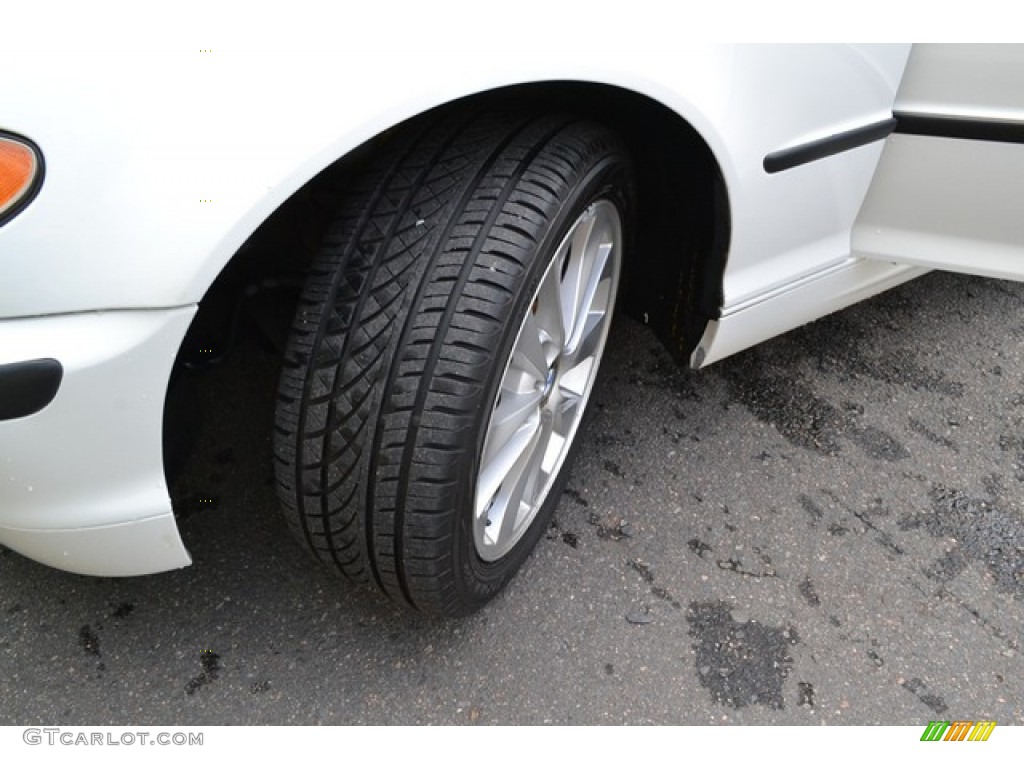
x: 949, y: 189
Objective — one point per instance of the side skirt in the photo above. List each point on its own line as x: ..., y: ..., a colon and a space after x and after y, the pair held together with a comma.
x: 791, y: 306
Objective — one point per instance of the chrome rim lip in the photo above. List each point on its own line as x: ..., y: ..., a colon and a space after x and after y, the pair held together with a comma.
x: 547, y: 381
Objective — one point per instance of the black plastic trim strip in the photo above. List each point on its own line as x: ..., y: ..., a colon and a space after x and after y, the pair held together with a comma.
x: 28, y: 387
x: 971, y: 128
x: 784, y: 159
x: 37, y: 182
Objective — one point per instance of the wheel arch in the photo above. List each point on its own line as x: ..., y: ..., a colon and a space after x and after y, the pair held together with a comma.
x: 674, y: 276
x: 672, y: 279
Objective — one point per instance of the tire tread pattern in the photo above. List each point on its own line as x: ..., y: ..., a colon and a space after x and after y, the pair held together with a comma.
x: 396, y: 336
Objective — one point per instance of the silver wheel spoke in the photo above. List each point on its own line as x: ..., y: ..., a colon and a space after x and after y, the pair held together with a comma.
x: 547, y: 381
x: 504, y: 462
x: 591, y: 297
x: 573, y: 383
x: 591, y: 336
x: 509, y: 417
x: 567, y: 412
x: 528, y: 355
x: 523, y: 479
x: 548, y: 312
x: 576, y: 272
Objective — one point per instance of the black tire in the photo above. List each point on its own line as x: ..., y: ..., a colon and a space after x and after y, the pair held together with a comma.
x: 401, y: 339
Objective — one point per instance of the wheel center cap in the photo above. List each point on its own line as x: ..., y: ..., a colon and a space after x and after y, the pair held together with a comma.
x: 549, y: 383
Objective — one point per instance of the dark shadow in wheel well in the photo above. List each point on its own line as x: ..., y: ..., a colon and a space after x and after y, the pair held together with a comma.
x: 673, y: 279
x: 674, y: 267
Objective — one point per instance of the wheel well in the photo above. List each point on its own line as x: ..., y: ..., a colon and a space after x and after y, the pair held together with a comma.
x: 673, y: 273
x: 673, y: 279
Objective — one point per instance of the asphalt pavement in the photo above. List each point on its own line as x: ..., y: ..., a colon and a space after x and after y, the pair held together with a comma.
x: 828, y: 528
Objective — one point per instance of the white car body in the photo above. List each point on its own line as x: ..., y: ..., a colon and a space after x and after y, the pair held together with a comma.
x: 157, y: 170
